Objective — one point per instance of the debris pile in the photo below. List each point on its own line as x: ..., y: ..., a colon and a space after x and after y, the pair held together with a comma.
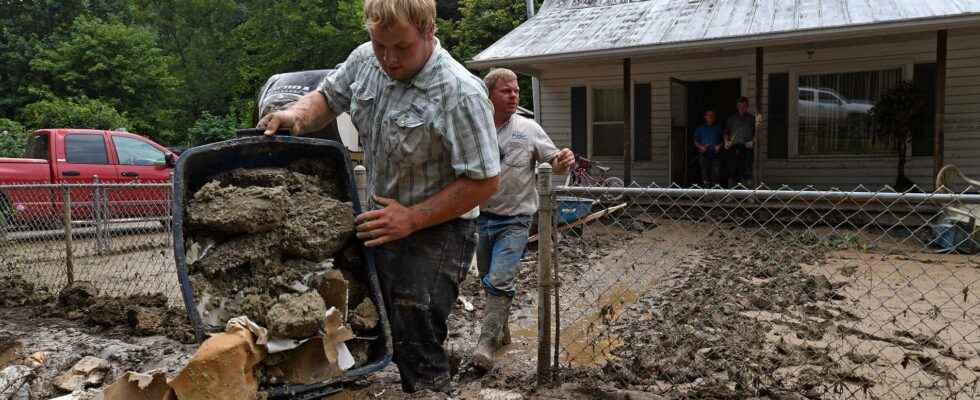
x: 273, y: 263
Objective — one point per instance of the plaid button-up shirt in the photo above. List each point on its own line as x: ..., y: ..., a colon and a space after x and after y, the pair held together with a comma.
x: 420, y: 135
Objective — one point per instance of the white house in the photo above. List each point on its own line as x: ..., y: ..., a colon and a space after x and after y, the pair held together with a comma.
x: 812, y: 68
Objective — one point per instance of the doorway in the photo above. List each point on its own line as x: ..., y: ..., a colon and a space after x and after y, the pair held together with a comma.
x: 688, y: 102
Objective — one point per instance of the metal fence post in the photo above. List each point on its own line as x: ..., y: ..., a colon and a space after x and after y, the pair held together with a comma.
x: 545, y: 280
x: 97, y: 213
x: 69, y: 266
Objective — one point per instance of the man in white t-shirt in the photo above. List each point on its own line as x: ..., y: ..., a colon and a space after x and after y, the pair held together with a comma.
x: 506, y: 217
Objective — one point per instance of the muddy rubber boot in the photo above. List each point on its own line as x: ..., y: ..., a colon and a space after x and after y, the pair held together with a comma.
x: 494, y: 320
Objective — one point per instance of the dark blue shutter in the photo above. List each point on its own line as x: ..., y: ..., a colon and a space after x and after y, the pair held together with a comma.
x: 641, y: 123
x: 778, y: 118
x: 580, y: 121
x: 924, y: 80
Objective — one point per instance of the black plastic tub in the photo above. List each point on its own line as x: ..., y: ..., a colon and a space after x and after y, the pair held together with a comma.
x: 199, y: 165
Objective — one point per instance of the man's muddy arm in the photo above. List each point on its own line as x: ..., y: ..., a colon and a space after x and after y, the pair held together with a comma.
x: 457, y: 199
x: 396, y: 221
x: 309, y: 114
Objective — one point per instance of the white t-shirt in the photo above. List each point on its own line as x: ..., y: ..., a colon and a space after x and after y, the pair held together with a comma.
x: 523, y: 144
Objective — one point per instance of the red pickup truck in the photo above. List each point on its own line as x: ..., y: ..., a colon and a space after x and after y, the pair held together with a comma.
x: 78, y: 156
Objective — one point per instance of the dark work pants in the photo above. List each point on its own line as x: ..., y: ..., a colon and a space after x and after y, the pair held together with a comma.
x: 420, y: 277
x: 739, y: 163
x: 710, y: 163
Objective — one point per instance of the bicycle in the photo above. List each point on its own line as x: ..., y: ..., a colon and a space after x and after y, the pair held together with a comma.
x: 581, y: 175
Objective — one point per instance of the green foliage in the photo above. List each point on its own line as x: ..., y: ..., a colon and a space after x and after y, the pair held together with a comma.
x: 115, y: 63
x: 163, y: 67
x: 26, y: 26
x: 285, y: 36
x: 196, y: 34
x: 481, y: 24
x: 79, y: 112
x: 13, y: 138
x: 210, y: 128
x: 894, y: 115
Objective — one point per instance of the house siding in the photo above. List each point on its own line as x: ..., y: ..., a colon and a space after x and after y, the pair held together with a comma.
x: 962, y: 123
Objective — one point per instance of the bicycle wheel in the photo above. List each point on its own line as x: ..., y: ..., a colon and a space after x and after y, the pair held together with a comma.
x: 612, y: 182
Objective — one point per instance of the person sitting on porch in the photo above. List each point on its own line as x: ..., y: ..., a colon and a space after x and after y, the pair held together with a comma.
x: 740, y: 127
x: 707, y: 140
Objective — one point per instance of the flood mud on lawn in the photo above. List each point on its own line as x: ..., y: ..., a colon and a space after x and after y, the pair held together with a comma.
x: 740, y: 313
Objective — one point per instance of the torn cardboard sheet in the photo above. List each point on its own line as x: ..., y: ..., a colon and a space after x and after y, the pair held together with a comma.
x: 223, y: 368
x: 137, y: 386
x: 319, y: 358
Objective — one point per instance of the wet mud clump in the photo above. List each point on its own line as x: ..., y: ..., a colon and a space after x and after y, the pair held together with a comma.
x: 296, y: 316
x: 262, y: 241
x: 15, y: 291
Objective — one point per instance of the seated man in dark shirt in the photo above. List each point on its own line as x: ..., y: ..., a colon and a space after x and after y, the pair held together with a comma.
x: 707, y: 140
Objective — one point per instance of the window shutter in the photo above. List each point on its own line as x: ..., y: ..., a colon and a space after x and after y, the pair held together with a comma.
x: 778, y: 118
x: 641, y: 123
x: 580, y: 121
x: 924, y: 80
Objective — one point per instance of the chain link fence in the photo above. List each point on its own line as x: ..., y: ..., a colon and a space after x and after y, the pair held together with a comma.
x: 115, y: 236
x: 759, y: 292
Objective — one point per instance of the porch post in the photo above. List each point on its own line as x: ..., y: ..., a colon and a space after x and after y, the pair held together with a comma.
x: 760, y: 139
x: 627, y: 124
x: 535, y: 85
x: 939, y: 132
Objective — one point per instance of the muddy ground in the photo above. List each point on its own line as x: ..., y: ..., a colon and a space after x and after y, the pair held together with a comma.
x: 657, y: 309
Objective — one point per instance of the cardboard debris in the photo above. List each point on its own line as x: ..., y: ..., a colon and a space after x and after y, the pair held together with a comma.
x: 89, y: 371
x: 335, y: 291
x: 137, y: 386
x: 334, y: 333
x: 319, y: 358
x: 223, y: 368
x: 36, y: 360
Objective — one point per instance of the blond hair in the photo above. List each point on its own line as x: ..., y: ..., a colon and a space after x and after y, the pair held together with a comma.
x: 387, y: 13
x: 496, y: 75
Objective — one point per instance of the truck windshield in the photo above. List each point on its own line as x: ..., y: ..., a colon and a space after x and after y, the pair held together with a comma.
x: 38, y: 147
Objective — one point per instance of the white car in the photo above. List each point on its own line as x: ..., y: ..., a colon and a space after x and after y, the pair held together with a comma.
x: 821, y: 105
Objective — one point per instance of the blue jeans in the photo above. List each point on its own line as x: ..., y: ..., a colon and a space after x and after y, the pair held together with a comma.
x: 498, y: 256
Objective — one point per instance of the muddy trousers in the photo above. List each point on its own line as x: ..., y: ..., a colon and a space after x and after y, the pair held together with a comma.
x: 503, y: 240
x: 420, y: 277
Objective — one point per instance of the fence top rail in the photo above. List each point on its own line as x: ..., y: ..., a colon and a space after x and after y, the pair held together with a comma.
x: 779, y: 194
x: 85, y: 185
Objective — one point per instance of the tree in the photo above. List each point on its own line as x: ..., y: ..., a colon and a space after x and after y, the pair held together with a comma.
x: 894, y: 115
x: 29, y: 25
x: 206, y: 58
x: 115, y: 63
x: 79, y: 112
x: 210, y: 128
x: 482, y: 23
x: 13, y: 138
x: 296, y: 35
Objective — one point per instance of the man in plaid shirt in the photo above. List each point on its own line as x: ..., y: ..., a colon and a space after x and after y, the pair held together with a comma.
x: 431, y: 153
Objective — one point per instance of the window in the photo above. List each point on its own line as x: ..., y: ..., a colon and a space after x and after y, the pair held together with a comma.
x: 607, y: 122
x: 137, y: 152
x: 85, y: 149
x: 38, y: 147
x: 838, y: 122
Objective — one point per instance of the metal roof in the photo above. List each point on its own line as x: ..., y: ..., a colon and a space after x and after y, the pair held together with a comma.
x: 570, y: 27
